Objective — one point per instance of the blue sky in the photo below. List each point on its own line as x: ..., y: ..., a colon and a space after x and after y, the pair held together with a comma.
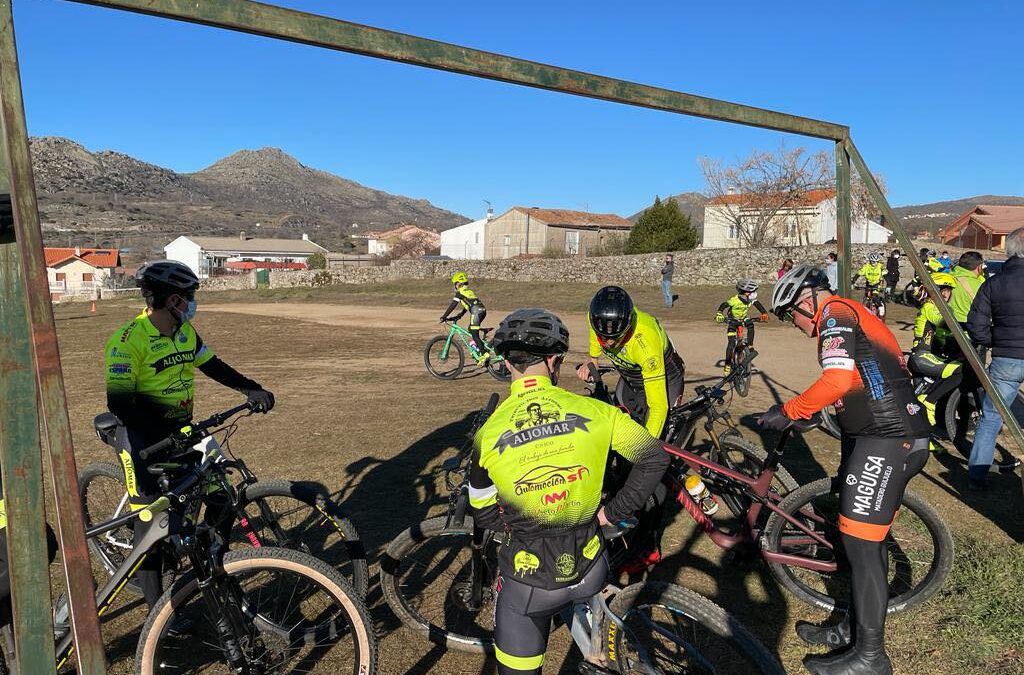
x: 932, y: 90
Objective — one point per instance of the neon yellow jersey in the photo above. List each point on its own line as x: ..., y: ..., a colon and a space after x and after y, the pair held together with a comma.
x: 641, y: 361
x: 872, y: 273
x: 468, y: 298
x: 541, y: 457
x: 930, y: 331
x: 152, y: 373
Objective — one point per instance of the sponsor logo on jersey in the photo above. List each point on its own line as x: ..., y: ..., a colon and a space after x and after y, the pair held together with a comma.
x: 120, y: 369
x: 555, y: 497
x: 831, y: 323
x: 171, y: 360
x: 542, y: 478
x: 525, y: 563
x: 514, y: 439
x: 913, y: 408
x: 566, y: 567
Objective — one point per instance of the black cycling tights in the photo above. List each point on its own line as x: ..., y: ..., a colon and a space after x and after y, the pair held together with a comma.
x: 522, y: 618
x: 730, y: 345
x: 874, y: 474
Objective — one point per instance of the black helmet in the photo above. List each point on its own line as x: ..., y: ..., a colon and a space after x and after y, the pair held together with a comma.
x: 533, y: 331
x: 611, y: 312
x: 788, y: 288
x: 166, y: 277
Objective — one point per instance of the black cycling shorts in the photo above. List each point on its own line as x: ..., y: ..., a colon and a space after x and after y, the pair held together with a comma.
x: 874, y: 474
x: 477, y: 314
x: 522, y: 617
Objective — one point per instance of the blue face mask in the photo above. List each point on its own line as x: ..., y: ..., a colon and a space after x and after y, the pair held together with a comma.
x: 189, y: 312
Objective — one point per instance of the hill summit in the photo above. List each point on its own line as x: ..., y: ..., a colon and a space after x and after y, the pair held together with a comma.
x: 110, y: 198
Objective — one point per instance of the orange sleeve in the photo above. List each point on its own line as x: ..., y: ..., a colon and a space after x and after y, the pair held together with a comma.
x: 828, y: 389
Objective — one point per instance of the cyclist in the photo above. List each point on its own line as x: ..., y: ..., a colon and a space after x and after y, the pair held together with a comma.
x: 884, y: 444
x: 734, y: 313
x: 150, y: 364
x: 467, y: 298
x: 930, y: 345
x: 872, y: 271
x: 927, y: 256
x: 540, y: 488
x: 650, y: 382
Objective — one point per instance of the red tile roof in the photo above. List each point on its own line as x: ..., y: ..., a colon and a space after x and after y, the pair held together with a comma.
x: 97, y: 257
x: 994, y: 219
x: 809, y: 198
x: 576, y: 218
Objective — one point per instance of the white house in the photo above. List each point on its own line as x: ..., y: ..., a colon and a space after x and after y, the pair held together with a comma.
x: 203, y: 254
x: 809, y: 220
x: 466, y: 242
x: 417, y: 240
x: 79, y: 270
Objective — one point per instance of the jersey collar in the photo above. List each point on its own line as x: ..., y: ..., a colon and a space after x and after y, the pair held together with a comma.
x: 530, y: 383
x: 147, y: 325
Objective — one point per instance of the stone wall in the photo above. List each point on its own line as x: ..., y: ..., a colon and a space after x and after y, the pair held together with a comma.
x: 230, y: 282
x: 693, y: 268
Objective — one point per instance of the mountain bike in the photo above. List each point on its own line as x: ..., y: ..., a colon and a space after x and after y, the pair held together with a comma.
x: 874, y: 300
x: 438, y: 578
x: 280, y: 513
x: 740, y: 360
x: 445, y: 355
x: 260, y: 611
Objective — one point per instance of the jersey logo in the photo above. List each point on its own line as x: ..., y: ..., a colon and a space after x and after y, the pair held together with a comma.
x: 173, y: 360
x: 555, y: 497
x: 537, y: 414
x: 566, y: 567
x: 526, y: 563
x: 541, y: 478
x: 514, y: 439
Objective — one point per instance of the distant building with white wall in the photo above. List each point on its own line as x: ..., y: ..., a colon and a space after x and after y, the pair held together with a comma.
x: 72, y: 271
x: 205, y: 254
x: 810, y: 219
x: 466, y: 242
x: 412, y: 240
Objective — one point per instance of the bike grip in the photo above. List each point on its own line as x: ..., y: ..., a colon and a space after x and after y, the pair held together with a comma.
x: 459, y: 516
x: 492, y: 403
x: 146, y: 514
x: 156, y: 447
x: 595, y: 373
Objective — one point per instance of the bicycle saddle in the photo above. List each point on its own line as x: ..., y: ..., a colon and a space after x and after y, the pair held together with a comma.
x: 106, y: 425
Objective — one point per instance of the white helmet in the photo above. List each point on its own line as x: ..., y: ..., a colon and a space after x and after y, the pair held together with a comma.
x: 788, y: 288
x: 746, y: 286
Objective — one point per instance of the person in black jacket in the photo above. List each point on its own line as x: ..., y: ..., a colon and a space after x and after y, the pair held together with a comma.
x: 892, y: 273
x: 996, y: 320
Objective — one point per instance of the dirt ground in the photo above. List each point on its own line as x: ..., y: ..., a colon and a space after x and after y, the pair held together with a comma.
x: 357, y: 411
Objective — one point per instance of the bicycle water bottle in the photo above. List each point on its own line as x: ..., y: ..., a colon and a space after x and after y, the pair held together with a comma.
x: 701, y: 494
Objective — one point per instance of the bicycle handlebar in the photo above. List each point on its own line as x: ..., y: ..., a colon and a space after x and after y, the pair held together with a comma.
x: 195, y: 431
x: 616, y: 530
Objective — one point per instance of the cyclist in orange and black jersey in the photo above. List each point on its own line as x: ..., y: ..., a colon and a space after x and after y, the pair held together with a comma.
x: 884, y: 444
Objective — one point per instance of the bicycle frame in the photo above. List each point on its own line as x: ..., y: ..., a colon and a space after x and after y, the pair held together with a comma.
x: 467, y: 339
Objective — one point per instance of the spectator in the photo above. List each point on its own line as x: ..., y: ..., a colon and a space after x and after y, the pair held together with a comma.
x: 969, y: 277
x: 832, y: 272
x: 892, y: 272
x: 787, y: 265
x: 947, y: 263
x: 996, y: 320
x: 666, y: 280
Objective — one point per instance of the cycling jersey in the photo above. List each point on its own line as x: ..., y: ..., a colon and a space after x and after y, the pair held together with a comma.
x: 930, y: 331
x: 647, y: 361
x: 872, y: 273
x: 150, y: 377
x: 864, y: 375
x: 467, y: 298
x: 967, y: 285
x: 537, y: 474
x: 738, y: 308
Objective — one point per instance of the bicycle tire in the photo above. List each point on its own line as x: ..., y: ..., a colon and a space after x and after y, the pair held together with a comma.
x: 736, y: 649
x: 918, y: 592
x: 103, y: 547
x: 754, y: 458
x: 315, y: 573
x: 347, y: 556
x: 444, y: 374
x: 395, y: 585
x: 743, y: 379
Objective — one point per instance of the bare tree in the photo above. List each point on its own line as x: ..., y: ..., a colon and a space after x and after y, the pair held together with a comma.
x: 410, y: 245
x: 764, y: 198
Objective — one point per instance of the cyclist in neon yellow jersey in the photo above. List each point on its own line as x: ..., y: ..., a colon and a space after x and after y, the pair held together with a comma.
x: 150, y: 364
x: 536, y: 481
x: 735, y: 312
x: 470, y: 302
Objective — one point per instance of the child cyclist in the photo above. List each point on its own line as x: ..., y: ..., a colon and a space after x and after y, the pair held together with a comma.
x: 468, y: 300
x: 735, y: 312
x: 928, y: 357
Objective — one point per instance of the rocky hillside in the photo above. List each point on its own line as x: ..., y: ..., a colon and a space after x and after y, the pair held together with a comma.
x: 109, y: 198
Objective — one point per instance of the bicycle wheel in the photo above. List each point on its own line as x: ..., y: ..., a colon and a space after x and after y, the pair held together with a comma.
x: 299, y: 615
x: 302, y: 517
x: 104, y: 498
x: 920, y: 549
x: 678, y: 631
x: 426, y: 577
x: 742, y: 455
x: 742, y: 379
x: 499, y: 370
x: 450, y: 366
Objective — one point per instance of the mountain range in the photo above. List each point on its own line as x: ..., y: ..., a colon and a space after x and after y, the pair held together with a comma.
x: 109, y: 198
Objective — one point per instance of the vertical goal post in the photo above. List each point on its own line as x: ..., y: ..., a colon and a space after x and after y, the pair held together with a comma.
x: 28, y: 346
